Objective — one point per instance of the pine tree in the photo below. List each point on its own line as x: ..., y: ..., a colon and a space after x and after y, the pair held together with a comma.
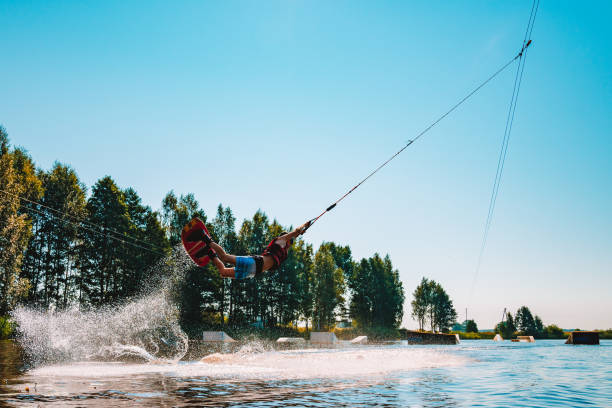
x: 506, y: 327
x: 146, y: 231
x: 305, y: 281
x: 525, y: 323
x: 252, y: 239
x: 431, y: 302
x: 102, y: 254
x: 344, y: 260
x: 510, y: 325
x: 329, y: 288
x: 30, y: 181
x: 224, y: 233
x: 394, y: 297
x: 471, y: 326
x: 289, y: 282
x: 444, y: 313
x: 14, y: 231
x: 539, y: 326
x: 421, y: 300
x: 65, y: 194
x: 199, y: 295
x: 177, y: 212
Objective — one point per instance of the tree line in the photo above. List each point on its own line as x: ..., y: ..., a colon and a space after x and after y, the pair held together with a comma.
x: 524, y: 323
x: 60, y: 246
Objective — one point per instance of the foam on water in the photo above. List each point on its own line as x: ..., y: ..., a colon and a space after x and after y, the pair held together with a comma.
x: 278, y: 365
x: 145, y: 328
x: 105, y: 342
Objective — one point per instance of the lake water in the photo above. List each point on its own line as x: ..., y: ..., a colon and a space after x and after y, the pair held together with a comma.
x: 474, y: 373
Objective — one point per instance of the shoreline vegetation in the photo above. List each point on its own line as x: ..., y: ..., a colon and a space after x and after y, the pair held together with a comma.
x: 489, y: 335
x: 71, y: 245
x: 375, y: 334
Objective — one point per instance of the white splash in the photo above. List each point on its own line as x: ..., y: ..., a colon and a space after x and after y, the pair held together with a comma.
x: 145, y: 328
x: 132, y: 330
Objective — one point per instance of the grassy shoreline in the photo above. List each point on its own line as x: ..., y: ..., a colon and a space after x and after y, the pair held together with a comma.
x: 8, y: 331
x: 603, y: 335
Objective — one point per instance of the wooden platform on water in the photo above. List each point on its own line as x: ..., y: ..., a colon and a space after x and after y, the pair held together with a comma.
x: 583, y: 337
x: 524, y: 339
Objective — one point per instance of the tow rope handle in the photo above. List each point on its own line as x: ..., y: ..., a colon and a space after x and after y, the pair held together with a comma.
x: 309, y: 223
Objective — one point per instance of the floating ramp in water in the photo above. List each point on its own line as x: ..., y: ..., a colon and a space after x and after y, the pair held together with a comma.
x: 323, y: 338
x: 583, y: 337
x: 360, y: 340
x: 524, y: 339
x: 498, y: 338
x: 295, y: 340
x: 217, y: 336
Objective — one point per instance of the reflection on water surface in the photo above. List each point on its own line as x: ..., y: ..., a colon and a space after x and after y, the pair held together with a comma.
x: 547, y: 373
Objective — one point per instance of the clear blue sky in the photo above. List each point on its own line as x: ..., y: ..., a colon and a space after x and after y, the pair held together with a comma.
x: 285, y: 105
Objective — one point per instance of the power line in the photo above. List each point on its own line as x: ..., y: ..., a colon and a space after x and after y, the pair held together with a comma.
x: 55, y: 218
x: 96, y: 229
x: 80, y: 220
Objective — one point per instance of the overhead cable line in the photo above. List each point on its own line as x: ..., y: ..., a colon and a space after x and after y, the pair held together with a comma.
x: 505, y: 140
x: 82, y: 221
x: 79, y: 225
x: 96, y: 229
x: 418, y: 136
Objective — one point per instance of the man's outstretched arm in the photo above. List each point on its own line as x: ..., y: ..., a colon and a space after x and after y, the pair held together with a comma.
x: 295, y: 233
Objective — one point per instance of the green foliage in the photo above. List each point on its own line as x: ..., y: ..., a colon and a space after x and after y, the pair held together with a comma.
x: 378, y: 295
x: 328, y: 289
x: 506, y: 328
x: 63, y: 249
x: 176, y: 212
x: 14, y: 228
x: 444, y: 313
x: 431, y: 302
x: 50, y: 262
x: 420, y: 302
x: 525, y: 322
x: 553, y: 332
x: 605, y: 334
x: 471, y: 327
x: 7, y: 328
x: 105, y: 275
x: 305, y: 280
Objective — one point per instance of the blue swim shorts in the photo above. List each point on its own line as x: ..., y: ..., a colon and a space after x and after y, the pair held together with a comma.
x: 247, y: 266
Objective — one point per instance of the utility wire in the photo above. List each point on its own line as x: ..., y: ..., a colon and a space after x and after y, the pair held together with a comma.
x: 79, y: 225
x: 96, y: 229
x: 82, y: 221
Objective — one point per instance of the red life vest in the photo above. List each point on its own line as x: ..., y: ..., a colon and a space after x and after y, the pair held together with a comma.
x: 278, y: 253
